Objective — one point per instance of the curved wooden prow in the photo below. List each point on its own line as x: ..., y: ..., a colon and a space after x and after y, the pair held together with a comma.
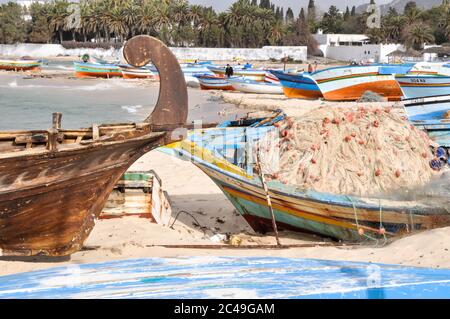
x: 171, y: 110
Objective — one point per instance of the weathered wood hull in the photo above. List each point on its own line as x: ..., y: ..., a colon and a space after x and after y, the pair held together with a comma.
x: 49, y: 201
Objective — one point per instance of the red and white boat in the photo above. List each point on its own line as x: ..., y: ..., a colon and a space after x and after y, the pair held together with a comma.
x: 129, y: 72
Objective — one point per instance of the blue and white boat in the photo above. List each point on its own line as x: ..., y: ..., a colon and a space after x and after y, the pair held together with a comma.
x: 250, y: 86
x: 299, y: 85
x: 425, y: 79
x: 431, y: 114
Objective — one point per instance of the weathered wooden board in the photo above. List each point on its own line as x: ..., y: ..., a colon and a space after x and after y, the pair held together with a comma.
x: 229, y: 277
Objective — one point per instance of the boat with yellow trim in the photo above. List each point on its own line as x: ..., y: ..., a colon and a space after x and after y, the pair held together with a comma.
x: 97, y: 70
x: 20, y: 65
x: 225, y: 155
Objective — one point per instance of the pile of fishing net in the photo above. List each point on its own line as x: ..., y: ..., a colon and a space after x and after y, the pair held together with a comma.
x: 359, y: 151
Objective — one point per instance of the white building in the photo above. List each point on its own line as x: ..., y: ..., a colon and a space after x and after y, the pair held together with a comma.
x: 353, y: 47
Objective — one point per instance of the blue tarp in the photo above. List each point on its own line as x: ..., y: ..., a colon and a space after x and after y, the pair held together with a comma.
x: 229, y: 277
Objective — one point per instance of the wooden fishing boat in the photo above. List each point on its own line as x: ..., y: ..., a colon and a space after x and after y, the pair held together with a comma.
x: 129, y: 72
x: 251, y: 74
x: 20, y: 65
x: 431, y: 114
x: 225, y: 155
x: 96, y: 70
x: 249, y: 86
x: 54, y: 183
x: 208, y: 82
x: 299, y: 86
x: 349, y: 83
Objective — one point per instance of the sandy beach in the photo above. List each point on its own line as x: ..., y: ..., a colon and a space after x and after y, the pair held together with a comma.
x: 192, y: 191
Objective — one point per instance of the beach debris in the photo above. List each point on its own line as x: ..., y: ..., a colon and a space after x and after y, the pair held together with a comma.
x: 235, y: 240
x: 218, y: 238
x: 360, y: 151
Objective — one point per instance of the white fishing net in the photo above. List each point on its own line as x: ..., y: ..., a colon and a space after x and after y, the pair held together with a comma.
x: 364, y: 151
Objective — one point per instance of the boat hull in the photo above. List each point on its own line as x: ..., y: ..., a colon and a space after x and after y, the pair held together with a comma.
x: 255, y: 75
x: 83, y: 70
x: 135, y: 73
x: 248, y: 86
x: 417, y: 86
x: 321, y: 217
x: 350, y: 83
x: 298, y: 86
x: 51, y: 208
x: 20, y: 65
x: 215, y: 83
x: 430, y: 114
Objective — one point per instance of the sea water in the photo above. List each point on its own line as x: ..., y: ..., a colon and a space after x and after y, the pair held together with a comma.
x: 28, y: 103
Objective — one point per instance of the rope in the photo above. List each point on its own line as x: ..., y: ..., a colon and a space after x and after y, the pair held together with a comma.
x: 203, y: 228
x: 357, y: 223
x: 381, y: 224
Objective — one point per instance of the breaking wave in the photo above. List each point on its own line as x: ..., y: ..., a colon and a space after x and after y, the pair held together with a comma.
x: 131, y: 108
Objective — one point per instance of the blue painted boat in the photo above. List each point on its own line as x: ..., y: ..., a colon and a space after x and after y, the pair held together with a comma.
x: 300, y: 86
x: 431, y: 114
x: 229, y: 277
x: 248, y: 73
x: 225, y: 154
x: 250, y: 86
x: 208, y: 82
x: 425, y: 80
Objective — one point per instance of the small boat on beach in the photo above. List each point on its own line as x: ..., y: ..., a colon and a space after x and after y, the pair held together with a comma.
x: 431, y: 114
x: 129, y: 72
x: 208, y: 82
x: 251, y: 74
x: 250, y: 86
x: 299, y: 86
x: 225, y: 155
x: 54, y: 183
x: 349, y: 83
x: 425, y: 80
x: 20, y: 65
x: 97, y: 70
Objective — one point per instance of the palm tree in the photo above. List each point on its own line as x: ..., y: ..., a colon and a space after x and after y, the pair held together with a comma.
x: 444, y: 20
x: 417, y: 34
x: 145, y: 18
x: 117, y: 22
x: 57, y: 16
x: 393, y: 26
x: 413, y: 15
x: 277, y: 33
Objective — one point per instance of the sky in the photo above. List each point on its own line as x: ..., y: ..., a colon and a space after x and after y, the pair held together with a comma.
x: 222, y: 5
x: 294, y: 4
